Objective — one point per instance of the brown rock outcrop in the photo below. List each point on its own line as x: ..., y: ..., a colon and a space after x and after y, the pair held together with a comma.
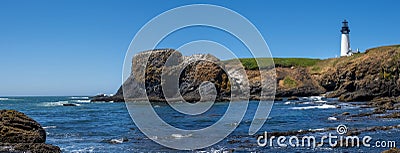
x: 19, y: 133
x: 185, y: 76
x: 363, y: 77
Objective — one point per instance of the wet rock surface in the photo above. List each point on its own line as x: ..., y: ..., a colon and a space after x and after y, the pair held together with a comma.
x: 392, y: 150
x: 19, y: 133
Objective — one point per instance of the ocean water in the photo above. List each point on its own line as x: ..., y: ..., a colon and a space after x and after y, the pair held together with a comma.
x: 107, y: 127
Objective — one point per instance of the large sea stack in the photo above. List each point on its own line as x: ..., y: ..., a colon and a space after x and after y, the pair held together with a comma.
x: 179, y: 76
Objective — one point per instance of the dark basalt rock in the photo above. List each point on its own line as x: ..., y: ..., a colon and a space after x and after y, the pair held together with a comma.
x: 392, y: 150
x: 29, y: 147
x: 366, y: 76
x: 16, y: 127
x: 183, y: 76
x: 192, y: 77
x: 118, y: 97
x: 70, y: 105
x: 19, y: 133
x: 293, y: 98
x: 345, y: 113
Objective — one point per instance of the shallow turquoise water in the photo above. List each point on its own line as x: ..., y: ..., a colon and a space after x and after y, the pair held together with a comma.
x: 89, y: 127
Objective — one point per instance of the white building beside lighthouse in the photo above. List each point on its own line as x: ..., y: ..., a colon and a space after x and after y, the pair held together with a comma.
x: 345, y: 49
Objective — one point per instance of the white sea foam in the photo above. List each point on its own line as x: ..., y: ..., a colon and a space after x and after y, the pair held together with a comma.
x: 79, y: 97
x: 316, y: 98
x: 324, y: 106
x: 312, y: 98
x: 233, y: 124
x: 154, y: 137
x: 349, y: 106
x: 77, y: 104
x: 316, y: 130
x: 117, y: 140
x: 264, y: 118
x: 82, y: 101
x: 304, y: 98
x: 90, y: 149
x: 9, y: 99
x: 58, y: 103
x: 49, y: 127
x: 287, y: 103
x: 213, y: 150
x: 312, y: 102
x: 332, y: 118
x: 178, y: 136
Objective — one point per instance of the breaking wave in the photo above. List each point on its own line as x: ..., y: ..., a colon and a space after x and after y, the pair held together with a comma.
x: 79, y: 97
x: 324, y: 106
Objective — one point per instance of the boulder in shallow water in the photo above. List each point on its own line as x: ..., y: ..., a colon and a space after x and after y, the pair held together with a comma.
x: 70, y: 104
x: 116, y: 141
x: 16, y: 127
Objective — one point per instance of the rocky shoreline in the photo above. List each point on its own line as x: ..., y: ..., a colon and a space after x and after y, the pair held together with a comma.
x: 19, y: 134
x: 362, y: 77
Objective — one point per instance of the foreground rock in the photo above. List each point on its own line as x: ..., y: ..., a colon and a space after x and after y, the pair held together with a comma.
x: 19, y: 133
x: 392, y: 150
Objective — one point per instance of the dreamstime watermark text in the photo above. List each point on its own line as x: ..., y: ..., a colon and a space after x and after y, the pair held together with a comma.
x: 339, y: 139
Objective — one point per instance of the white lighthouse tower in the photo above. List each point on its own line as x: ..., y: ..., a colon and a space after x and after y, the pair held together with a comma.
x: 345, y: 45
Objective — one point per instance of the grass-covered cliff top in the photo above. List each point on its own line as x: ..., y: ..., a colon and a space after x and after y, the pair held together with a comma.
x: 251, y: 64
x: 314, y: 65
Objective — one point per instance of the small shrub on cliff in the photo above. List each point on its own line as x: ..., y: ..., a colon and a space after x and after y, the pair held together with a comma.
x: 289, y: 82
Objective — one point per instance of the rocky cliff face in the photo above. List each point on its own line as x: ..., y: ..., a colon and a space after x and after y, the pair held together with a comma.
x: 361, y: 77
x: 297, y: 81
x: 183, y: 77
x: 19, y: 133
x: 199, y: 75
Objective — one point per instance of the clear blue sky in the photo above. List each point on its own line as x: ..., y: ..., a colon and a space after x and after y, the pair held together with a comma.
x: 77, y: 47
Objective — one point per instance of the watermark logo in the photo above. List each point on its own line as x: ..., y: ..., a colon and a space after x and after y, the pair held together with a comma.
x: 329, y: 139
x: 152, y: 33
x: 341, y: 129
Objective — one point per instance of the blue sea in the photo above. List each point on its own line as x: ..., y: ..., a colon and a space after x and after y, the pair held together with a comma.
x: 108, y: 127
